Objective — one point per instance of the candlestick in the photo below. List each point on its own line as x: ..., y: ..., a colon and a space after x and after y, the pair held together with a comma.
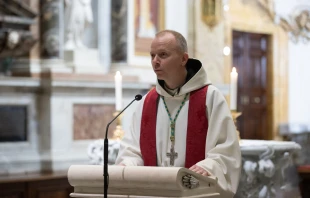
x: 233, y: 89
x: 118, y: 91
x: 235, y: 115
x: 118, y: 132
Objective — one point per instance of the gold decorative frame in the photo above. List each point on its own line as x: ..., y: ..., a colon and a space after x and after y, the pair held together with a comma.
x: 211, y: 12
x: 142, y: 44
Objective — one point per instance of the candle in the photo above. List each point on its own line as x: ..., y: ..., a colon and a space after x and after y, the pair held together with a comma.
x: 118, y: 91
x: 233, y: 89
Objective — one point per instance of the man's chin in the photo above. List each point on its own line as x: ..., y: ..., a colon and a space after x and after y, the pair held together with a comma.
x: 159, y: 77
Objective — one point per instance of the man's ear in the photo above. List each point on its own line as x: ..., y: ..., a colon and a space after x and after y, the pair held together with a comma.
x: 184, y: 58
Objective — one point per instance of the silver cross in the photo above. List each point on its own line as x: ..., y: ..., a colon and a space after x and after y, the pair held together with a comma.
x: 172, y: 155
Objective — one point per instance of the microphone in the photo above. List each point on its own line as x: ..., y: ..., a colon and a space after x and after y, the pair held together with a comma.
x: 106, y: 149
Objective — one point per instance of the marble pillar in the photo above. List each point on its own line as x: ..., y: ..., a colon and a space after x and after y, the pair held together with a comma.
x: 119, y: 30
x: 104, y: 32
x: 51, y: 28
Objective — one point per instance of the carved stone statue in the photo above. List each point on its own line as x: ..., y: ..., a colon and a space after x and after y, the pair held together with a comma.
x: 78, y: 14
x: 297, y: 24
x: 268, y: 169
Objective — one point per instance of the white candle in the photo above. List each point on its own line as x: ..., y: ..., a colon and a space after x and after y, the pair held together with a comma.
x: 233, y: 89
x: 118, y: 91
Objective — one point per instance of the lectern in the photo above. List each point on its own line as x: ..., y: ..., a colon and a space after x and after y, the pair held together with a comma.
x: 141, y: 181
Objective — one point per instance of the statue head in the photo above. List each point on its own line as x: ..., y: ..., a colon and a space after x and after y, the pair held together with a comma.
x: 13, y: 39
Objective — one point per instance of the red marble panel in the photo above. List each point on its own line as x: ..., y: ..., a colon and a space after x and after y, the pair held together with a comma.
x: 90, y: 121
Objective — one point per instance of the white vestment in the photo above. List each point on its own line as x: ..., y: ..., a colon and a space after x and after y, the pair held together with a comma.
x: 222, y: 151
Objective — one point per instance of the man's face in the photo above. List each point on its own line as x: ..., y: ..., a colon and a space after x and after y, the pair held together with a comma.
x: 167, y: 60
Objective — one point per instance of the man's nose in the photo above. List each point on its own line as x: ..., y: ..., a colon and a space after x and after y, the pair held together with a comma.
x: 155, y: 60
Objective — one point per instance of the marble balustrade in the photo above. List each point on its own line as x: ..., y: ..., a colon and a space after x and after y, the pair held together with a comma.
x: 268, y: 167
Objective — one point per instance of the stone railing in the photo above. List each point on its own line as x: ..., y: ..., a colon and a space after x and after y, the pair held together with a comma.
x: 95, y: 152
x: 299, y: 133
x: 268, y: 169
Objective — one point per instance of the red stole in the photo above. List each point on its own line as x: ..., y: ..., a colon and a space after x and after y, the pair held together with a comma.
x: 196, y: 129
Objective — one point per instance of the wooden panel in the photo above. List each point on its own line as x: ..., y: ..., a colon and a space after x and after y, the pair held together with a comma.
x: 56, y: 188
x: 13, y: 190
x: 304, y: 174
x: 53, y: 194
x: 250, y: 60
x: 36, y: 187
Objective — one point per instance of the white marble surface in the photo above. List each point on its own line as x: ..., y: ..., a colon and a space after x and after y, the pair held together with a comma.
x: 209, y: 44
x: 50, y: 144
x: 84, y: 61
x: 104, y: 29
x: 18, y: 82
x: 140, y: 181
x: 13, y: 154
x: 268, y: 169
x: 258, y: 146
x: 35, y: 66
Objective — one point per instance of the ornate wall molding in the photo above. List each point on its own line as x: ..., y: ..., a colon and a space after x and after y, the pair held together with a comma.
x: 16, y: 18
x: 268, y: 6
x: 297, y: 24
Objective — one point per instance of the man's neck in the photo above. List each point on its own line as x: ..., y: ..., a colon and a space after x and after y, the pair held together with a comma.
x: 177, y: 82
x: 172, y: 92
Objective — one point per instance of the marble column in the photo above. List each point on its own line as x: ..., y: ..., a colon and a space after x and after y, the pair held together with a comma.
x: 51, y: 28
x: 104, y: 30
x: 119, y: 30
x: 191, y: 28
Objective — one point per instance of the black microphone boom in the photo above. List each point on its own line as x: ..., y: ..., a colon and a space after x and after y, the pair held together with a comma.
x: 106, y: 149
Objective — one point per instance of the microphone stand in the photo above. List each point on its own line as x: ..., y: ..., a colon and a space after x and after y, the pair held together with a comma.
x: 106, y: 150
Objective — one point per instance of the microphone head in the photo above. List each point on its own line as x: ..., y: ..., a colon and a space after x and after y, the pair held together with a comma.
x: 138, y: 97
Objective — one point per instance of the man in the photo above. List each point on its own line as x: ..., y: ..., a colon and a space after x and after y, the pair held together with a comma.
x: 185, y: 121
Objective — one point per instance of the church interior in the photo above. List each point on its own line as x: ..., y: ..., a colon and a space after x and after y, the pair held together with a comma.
x: 68, y: 67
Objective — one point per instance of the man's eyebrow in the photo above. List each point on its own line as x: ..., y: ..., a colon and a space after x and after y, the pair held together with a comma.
x: 162, y: 50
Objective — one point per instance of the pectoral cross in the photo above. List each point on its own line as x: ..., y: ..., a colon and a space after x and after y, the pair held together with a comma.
x: 172, y: 155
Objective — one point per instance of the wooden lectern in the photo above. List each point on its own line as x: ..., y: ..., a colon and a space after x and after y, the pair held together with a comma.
x: 141, y: 181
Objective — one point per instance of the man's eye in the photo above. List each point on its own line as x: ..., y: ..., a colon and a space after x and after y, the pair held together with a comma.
x: 163, y: 54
